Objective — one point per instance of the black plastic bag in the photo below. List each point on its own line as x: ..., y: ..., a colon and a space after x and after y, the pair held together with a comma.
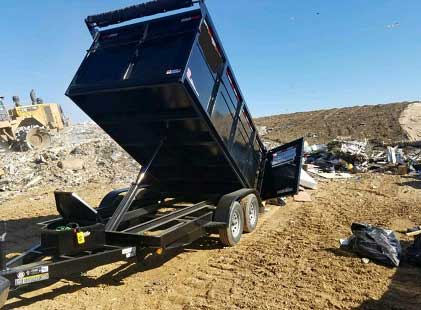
x: 376, y: 243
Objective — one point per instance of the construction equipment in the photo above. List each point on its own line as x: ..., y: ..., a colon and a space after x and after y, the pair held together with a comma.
x: 165, y: 91
x: 28, y: 127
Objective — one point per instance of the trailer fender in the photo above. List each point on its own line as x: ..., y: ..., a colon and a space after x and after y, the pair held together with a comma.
x: 224, y: 204
x: 110, y: 200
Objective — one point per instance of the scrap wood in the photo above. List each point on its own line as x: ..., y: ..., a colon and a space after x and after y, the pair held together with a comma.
x: 413, y: 231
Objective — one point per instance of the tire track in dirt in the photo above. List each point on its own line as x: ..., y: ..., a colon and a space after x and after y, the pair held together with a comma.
x: 189, y: 280
x: 241, y: 274
x: 291, y: 261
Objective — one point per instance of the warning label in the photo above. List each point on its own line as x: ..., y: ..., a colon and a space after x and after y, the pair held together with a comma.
x: 32, y: 279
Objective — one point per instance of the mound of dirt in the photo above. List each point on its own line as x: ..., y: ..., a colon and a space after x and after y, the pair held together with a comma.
x: 410, y: 121
x: 370, y: 121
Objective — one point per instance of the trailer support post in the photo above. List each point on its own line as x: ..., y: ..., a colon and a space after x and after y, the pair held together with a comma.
x: 123, y: 207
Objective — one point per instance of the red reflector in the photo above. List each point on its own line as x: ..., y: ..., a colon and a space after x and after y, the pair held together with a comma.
x: 234, y: 87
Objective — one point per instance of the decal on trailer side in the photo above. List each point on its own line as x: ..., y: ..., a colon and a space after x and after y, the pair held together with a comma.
x: 173, y: 71
x: 129, y: 252
x: 32, y: 275
x: 283, y: 157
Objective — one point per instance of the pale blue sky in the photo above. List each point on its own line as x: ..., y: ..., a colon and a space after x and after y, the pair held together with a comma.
x: 288, y: 56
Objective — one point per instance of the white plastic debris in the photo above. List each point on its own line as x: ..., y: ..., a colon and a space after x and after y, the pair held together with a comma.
x: 314, y: 148
x: 33, y: 181
x: 354, y: 147
x: 332, y: 175
x: 391, y: 154
x: 307, y: 181
x: 400, y: 157
x: 263, y: 130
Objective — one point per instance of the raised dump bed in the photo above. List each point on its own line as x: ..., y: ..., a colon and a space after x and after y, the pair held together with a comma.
x: 169, y: 78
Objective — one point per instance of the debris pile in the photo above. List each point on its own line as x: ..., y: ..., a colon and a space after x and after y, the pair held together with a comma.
x: 343, y: 158
x: 81, y: 154
x: 340, y: 158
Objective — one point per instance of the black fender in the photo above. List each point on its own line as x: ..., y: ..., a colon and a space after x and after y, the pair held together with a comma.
x: 108, y: 200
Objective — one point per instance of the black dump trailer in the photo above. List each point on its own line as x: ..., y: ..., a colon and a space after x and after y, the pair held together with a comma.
x: 164, y: 90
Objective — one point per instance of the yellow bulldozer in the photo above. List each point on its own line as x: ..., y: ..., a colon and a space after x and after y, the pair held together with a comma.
x: 29, y: 126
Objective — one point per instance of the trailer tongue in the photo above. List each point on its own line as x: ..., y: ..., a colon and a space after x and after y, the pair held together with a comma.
x: 164, y: 90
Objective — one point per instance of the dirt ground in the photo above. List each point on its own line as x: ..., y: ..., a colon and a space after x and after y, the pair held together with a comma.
x: 371, y: 121
x: 291, y: 261
x: 410, y: 121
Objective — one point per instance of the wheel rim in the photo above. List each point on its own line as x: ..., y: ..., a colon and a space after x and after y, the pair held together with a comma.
x: 253, y: 213
x: 35, y: 140
x: 235, y: 224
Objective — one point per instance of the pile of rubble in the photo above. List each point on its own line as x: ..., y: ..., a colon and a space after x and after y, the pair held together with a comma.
x: 341, y: 159
x: 79, y: 155
x: 342, y: 156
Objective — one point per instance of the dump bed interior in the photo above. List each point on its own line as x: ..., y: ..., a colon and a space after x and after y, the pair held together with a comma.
x: 169, y: 78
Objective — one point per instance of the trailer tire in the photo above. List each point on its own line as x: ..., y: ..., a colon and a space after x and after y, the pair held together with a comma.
x: 231, y: 234
x: 250, y: 205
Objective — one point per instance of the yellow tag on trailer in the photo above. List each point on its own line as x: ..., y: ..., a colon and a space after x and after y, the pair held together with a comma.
x: 80, y: 237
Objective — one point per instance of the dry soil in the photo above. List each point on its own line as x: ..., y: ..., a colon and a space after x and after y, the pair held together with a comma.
x: 291, y: 261
x: 370, y: 121
x: 410, y: 121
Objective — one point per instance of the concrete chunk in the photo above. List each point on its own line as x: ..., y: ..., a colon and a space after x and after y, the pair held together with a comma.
x: 72, y: 164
